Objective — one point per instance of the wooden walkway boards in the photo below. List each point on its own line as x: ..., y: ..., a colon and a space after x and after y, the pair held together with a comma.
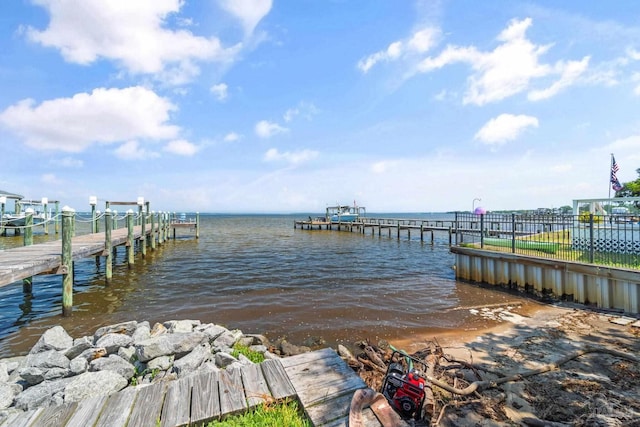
x: 320, y: 380
x: 26, y: 261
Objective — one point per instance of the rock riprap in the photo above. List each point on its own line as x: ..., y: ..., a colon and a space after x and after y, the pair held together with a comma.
x: 60, y: 369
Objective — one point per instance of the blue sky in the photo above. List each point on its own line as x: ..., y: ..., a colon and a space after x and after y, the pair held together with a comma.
x: 290, y: 106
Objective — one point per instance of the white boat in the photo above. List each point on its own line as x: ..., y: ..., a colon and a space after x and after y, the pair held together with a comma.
x: 344, y: 213
x: 19, y: 220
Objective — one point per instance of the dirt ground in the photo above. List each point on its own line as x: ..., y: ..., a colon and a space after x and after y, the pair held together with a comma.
x: 561, y: 386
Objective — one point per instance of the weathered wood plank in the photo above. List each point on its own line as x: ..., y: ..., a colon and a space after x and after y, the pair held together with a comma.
x: 177, y: 403
x: 256, y: 390
x: 148, y: 406
x: 23, y: 419
x: 87, y: 412
x: 312, y: 395
x: 277, y: 379
x: 56, y: 416
x: 231, y: 392
x: 306, y: 358
x: 205, y: 400
x: 117, y: 409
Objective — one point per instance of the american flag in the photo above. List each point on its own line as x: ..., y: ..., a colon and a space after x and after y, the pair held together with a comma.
x: 615, y: 184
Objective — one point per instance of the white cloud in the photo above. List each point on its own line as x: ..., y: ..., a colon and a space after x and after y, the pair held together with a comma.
x: 569, y: 71
x: 131, y: 150
x: 231, y: 137
x: 130, y: 33
x: 292, y: 157
x: 509, y: 69
x: 181, y: 147
x: 220, y: 91
x: 266, y: 129
x: 505, y: 127
x: 50, y: 178
x: 69, y: 162
x: 249, y: 12
x: 305, y: 109
x: 102, y: 116
x: 383, y: 166
x: 419, y: 42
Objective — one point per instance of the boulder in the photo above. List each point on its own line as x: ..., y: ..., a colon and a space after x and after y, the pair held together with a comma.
x: 158, y: 329
x: 112, y: 342
x: 127, y: 328
x: 4, y: 373
x: 78, y: 366
x: 79, y: 345
x: 180, y: 326
x: 32, y: 375
x: 162, y: 363
x: 47, y: 359
x: 55, y: 373
x: 193, y: 360
x: 41, y: 394
x: 224, y: 359
x: 7, y: 394
x: 212, y: 331
x: 92, y: 384
x: 227, y: 339
x: 113, y: 363
x: 127, y: 353
x: 178, y: 344
x: 142, y: 332
x: 55, y: 338
x: 93, y: 353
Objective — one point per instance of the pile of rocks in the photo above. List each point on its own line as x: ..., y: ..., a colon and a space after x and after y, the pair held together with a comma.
x: 60, y: 369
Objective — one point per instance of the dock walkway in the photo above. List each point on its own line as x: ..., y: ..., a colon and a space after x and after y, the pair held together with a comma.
x: 45, y: 258
x: 321, y: 381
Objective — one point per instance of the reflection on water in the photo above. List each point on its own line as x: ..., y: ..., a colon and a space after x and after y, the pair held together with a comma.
x: 259, y: 274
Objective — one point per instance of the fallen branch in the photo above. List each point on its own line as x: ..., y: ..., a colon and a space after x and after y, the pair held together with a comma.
x: 478, y: 385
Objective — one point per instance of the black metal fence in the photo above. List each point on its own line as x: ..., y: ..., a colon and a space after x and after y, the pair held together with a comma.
x: 610, y: 240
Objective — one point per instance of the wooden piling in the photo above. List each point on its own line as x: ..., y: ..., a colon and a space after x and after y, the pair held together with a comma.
x: 198, y: 225
x: 130, y: 243
x: 143, y: 237
x: 68, y: 217
x: 152, y: 235
x: 27, y: 283
x: 108, y: 249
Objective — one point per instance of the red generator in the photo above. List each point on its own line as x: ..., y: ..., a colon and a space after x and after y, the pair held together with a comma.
x: 403, y: 385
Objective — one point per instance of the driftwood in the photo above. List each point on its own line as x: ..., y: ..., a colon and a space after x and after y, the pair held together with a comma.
x: 479, y: 385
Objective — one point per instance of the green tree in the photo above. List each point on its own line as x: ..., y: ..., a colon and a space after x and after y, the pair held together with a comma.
x: 631, y: 189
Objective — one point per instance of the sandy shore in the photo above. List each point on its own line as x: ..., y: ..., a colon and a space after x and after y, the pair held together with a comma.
x: 595, y: 389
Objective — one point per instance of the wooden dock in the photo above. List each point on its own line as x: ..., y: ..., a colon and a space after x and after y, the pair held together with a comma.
x: 321, y: 381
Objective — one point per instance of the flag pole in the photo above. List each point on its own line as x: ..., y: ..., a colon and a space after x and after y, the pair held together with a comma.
x: 610, y: 171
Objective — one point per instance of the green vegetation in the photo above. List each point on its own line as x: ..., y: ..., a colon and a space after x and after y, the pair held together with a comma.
x: 254, y: 356
x: 287, y: 414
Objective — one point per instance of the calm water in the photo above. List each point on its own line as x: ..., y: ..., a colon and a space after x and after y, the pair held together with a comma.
x: 259, y: 274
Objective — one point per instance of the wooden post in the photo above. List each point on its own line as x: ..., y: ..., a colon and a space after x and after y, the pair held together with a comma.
x: 57, y: 221
x: 153, y: 231
x: 160, y: 227
x: 17, y: 209
x: 108, y: 250
x: 94, y: 221
x: 422, y: 232
x: 143, y: 236
x: 27, y: 283
x: 198, y: 225
x: 130, y: 243
x: 68, y: 216
x: 45, y: 205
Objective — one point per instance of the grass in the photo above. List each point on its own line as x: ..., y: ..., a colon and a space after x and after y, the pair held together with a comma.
x: 254, y: 356
x: 287, y: 413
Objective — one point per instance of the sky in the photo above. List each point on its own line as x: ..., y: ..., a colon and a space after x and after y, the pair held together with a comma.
x: 269, y: 106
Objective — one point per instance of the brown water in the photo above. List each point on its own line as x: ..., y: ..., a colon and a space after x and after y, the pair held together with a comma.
x: 259, y: 274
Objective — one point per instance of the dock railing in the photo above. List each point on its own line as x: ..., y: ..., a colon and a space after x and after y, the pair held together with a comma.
x: 609, y: 240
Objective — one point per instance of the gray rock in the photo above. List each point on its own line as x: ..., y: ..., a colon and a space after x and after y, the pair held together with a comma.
x: 41, y: 394
x: 208, y: 367
x: 158, y: 329
x: 259, y: 348
x: 268, y: 355
x: 92, y: 384
x: 224, y: 359
x: 244, y: 360
x: 258, y: 339
x: 55, y: 373
x: 212, y: 331
x: 93, y: 353
x: 193, y: 360
x: 112, y: 342
x: 127, y: 328
x: 162, y: 363
x: 48, y: 359
x: 32, y: 375
x: 289, y: 349
x: 143, y: 332
x: 7, y: 394
x: 127, y: 353
x: 4, y: 373
x: 245, y: 341
x: 79, y: 345
x: 166, y: 344
x: 181, y: 326
x: 115, y: 364
x: 78, y: 365
x: 227, y: 339
x: 55, y: 338
x: 13, y: 363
